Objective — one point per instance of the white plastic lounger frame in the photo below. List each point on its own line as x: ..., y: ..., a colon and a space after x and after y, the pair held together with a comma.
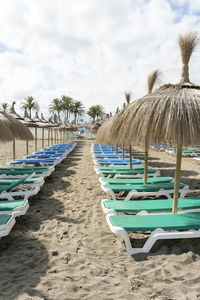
x: 134, y: 193
x: 5, y: 229
x: 158, y: 234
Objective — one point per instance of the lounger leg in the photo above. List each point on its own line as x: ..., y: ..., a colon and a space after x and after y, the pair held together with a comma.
x: 109, y: 192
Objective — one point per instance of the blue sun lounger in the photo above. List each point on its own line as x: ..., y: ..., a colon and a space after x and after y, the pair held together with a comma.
x: 41, y: 162
x: 108, y: 156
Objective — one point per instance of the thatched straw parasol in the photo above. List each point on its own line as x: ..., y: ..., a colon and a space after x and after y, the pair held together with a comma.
x: 170, y: 115
x: 19, y: 130
x: 13, y: 113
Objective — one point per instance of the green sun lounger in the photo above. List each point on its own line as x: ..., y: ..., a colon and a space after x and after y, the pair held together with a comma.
x: 124, y: 168
x: 149, y: 206
x: 15, y: 207
x: 21, y: 171
x: 187, y: 152
x: 7, y: 222
x: 107, y: 180
x: 158, y: 224
x: 34, y: 180
x: 25, y: 168
x: 135, y: 173
x: 137, y: 190
x: 15, y: 189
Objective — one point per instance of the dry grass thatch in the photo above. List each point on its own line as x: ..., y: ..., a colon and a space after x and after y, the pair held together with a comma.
x: 128, y: 97
x: 17, y: 128
x: 187, y: 44
x: 103, y: 133
x: 152, y: 79
x: 170, y: 115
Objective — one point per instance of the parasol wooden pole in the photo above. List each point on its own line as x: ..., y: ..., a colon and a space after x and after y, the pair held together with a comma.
x: 35, y: 138
x: 42, y: 138
x: 112, y: 148
x: 130, y: 157
x: 116, y: 149
x: 177, y: 179
x: 51, y: 136
x: 48, y: 136
x: 27, y: 147
x: 123, y: 152
x: 146, y: 161
x: 13, y: 149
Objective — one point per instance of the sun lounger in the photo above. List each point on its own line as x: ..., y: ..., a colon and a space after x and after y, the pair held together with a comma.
x: 41, y: 162
x: 135, y: 173
x: 107, y: 180
x: 14, y: 207
x: 149, y: 206
x: 188, y: 152
x: 38, y: 181
x: 138, y: 190
x: 16, y: 189
x: 9, y: 171
x: 116, y: 162
x: 7, y: 222
x: 109, y: 156
x: 158, y: 224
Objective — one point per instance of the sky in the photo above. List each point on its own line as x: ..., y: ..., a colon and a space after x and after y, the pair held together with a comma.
x: 91, y: 50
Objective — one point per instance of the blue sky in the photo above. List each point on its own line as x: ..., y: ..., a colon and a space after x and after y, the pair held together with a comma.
x: 92, y: 50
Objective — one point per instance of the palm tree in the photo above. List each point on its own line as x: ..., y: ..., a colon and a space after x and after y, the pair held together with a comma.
x: 99, y: 111
x: 30, y: 104
x: 66, y: 105
x: 77, y: 109
x: 4, y: 106
x: 55, y: 117
x: 96, y: 111
x: 92, y: 112
x: 56, y: 107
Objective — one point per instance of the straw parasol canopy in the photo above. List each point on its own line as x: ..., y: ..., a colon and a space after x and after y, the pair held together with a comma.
x: 104, y: 133
x: 17, y: 128
x: 169, y: 115
x: 13, y: 113
x: 6, y: 134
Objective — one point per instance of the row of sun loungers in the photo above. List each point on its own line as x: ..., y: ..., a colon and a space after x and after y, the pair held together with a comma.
x: 18, y: 182
x: 186, y: 152
x: 145, y: 215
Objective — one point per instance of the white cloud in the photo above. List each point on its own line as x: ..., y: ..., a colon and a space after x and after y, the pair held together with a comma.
x: 93, y: 50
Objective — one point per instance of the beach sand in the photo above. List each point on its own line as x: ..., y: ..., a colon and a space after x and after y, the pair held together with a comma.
x: 62, y: 249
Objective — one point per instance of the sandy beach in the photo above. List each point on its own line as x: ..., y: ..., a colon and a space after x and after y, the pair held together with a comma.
x: 62, y: 249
